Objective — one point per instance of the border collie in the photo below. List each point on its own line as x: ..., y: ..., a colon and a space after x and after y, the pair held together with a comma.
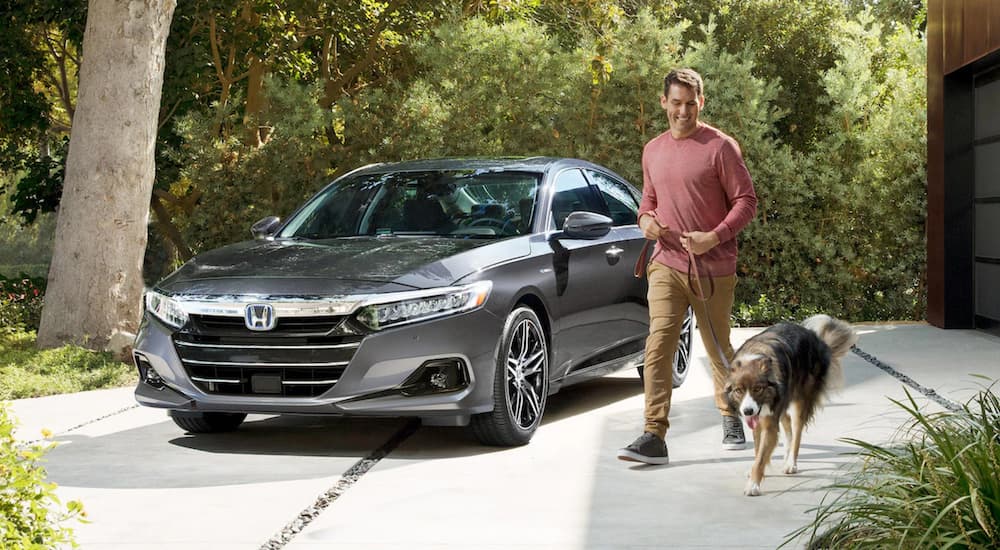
x: 782, y: 375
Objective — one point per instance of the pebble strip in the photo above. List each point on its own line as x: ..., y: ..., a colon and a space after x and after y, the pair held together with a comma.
x: 930, y: 393
x: 345, y: 482
x: 78, y: 426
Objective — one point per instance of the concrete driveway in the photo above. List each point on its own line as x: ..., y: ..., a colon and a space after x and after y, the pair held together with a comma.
x: 313, y: 482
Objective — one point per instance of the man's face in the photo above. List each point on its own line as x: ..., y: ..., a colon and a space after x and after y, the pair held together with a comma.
x: 682, y: 106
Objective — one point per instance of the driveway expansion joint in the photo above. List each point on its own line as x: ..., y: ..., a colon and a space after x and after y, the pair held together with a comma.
x: 352, y: 475
x: 23, y: 444
x: 928, y: 392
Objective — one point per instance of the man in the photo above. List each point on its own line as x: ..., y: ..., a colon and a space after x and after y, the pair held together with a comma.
x: 697, y: 196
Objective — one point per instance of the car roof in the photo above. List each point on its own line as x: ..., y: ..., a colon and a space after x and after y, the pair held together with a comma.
x: 527, y: 164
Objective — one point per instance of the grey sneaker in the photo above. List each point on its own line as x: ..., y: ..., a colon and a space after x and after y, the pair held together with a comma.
x: 648, y: 448
x: 732, y: 434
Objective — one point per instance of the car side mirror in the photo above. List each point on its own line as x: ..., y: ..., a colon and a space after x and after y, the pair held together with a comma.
x: 586, y: 225
x: 265, y: 228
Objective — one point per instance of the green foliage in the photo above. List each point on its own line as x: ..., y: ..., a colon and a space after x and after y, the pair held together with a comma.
x: 826, y: 99
x: 28, y: 372
x: 844, y: 219
x: 39, y: 53
x: 39, y: 188
x: 21, y: 302
x: 31, y: 515
x: 242, y: 183
x: 793, y: 42
x: 25, y: 249
x: 619, y: 108
x: 934, y: 486
x: 485, y: 90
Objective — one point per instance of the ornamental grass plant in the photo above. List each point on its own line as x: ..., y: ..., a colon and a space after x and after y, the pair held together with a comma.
x: 935, y: 485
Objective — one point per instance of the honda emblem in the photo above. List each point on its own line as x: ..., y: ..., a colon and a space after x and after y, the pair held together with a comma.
x: 259, y: 317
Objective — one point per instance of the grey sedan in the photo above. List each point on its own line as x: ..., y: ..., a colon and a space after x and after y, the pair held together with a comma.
x: 460, y: 291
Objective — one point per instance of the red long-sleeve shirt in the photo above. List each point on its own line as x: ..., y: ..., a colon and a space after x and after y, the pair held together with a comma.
x: 699, y: 183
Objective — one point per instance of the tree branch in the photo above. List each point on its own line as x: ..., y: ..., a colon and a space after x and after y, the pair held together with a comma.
x: 166, y: 226
x: 335, y: 88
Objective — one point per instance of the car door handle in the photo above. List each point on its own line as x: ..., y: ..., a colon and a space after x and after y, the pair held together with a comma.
x: 613, y: 254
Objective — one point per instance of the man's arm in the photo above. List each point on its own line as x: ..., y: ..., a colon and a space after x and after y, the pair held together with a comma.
x: 738, y: 186
x: 647, y: 221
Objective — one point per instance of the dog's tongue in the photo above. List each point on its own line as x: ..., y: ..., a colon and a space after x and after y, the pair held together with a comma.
x: 752, y: 421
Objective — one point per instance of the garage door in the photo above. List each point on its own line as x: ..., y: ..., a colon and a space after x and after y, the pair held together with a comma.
x: 987, y: 197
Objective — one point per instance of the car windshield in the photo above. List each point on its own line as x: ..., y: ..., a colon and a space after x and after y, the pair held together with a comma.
x: 455, y: 203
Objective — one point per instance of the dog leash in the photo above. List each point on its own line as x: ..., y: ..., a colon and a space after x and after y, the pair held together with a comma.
x: 693, y: 283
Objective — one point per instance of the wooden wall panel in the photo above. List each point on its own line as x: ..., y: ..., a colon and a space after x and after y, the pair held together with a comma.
x: 993, y: 16
x: 975, y: 29
x: 952, y: 20
x: 935, y: 163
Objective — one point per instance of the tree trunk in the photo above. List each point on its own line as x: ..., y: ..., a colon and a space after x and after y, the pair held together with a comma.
x: 95, y: 280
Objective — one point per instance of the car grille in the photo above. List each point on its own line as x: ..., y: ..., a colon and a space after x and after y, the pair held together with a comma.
x: 300, y: 357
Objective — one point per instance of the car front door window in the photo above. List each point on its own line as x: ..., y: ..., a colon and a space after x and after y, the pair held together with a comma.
x: 620, y: 202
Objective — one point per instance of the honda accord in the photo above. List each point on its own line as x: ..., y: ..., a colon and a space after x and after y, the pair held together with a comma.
x: 460, y: 291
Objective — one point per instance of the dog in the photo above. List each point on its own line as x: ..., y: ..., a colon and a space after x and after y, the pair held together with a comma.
x: 783, y: 374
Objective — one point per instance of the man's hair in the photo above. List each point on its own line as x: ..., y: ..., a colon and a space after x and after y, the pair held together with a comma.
x: 688, y: 78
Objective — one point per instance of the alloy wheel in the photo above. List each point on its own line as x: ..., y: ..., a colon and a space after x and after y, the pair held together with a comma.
x: 682, y: 357
x: 526, y: 368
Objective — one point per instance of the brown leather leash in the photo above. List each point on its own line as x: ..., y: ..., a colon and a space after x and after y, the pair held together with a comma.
x: 694, y: 284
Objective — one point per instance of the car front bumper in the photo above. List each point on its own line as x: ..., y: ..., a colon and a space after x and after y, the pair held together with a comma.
x: 373, y: 383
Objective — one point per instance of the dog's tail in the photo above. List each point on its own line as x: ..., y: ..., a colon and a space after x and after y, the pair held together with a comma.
x: 839, y: 336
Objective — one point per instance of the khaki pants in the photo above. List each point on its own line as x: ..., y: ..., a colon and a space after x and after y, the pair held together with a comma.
x: 669, y: 297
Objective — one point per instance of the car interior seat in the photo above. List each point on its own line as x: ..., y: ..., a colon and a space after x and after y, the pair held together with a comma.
x: 424, y: 214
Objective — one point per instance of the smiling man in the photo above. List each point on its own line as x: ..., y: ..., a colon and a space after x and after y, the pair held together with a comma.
x: 697, y: 196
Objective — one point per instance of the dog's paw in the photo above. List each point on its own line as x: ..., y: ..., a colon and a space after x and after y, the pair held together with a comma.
x: 752, y: 489
x: 791, y: 468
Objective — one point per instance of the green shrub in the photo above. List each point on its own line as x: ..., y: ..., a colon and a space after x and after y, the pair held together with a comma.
x: 935, y: 486
x: 31, y: 515
x: 842, y: 200
x: 21, y: 302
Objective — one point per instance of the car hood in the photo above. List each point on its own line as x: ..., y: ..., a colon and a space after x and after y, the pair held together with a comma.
x: 349, y: 265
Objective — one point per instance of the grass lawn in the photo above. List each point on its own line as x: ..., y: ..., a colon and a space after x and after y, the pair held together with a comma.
x: 28, y: 372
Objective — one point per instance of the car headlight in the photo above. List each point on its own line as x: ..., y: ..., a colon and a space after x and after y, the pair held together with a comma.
x: 165, y: 309
x: 445, y: 301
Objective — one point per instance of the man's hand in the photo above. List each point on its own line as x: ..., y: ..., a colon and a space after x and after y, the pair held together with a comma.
x: 699, y: 242
x: 651, y: 229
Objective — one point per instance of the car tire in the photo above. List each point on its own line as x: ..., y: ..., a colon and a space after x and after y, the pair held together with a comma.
x: 207, y: 422
x: 520, y: 383
x: 682, y: 357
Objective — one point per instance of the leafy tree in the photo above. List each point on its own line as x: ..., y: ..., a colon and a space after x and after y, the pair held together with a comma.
x: 619, y: 109
x: 485, y: 90
x: 791, y: 43
x: 222, y: 55
x: 878, y: 99
x: 39, y: 58
x: 243, y: 183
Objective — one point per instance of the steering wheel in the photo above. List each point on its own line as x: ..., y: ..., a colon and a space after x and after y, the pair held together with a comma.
x: 487, y: 221
x: 504, y: 227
